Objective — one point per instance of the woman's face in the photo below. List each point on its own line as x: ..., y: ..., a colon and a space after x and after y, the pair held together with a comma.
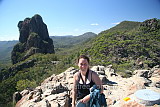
x: 83, y: 64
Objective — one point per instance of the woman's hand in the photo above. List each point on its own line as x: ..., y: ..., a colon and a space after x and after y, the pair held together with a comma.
x: 85, y: 99
x: 73, y: 105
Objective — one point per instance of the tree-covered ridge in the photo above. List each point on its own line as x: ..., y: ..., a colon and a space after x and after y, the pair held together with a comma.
x: 125, y: 26
x: 124, y: 47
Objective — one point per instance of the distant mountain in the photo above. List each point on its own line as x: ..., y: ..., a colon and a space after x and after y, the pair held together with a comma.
x: 5, y: 49
x: 69, y: 41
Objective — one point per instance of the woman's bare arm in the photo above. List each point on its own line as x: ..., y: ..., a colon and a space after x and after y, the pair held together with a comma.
x: 74, y: 90
x: 97, y: 80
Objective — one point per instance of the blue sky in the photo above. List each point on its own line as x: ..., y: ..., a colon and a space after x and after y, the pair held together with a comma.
x: 74, y: 17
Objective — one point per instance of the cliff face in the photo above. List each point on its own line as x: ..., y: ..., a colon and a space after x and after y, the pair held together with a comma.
x: 34, y: 38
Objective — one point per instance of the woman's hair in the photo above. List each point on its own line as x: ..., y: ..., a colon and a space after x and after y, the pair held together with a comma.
x: 84, y: 57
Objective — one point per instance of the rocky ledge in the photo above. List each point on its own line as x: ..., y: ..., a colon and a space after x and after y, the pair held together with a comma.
x: 55, y: 91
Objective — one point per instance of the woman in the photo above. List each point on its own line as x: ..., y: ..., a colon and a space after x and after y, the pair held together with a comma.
x: 83, y: 81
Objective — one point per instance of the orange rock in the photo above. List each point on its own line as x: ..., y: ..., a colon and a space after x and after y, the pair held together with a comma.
x: 126, y: 99
x: 132, y: 104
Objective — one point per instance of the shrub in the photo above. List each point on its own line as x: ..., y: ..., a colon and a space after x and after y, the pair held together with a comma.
x: 23, y: 84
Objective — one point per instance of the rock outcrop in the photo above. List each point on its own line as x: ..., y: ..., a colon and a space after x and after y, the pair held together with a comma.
x: 150, y: 25
x: 55, y: 91
x: 34, y: 38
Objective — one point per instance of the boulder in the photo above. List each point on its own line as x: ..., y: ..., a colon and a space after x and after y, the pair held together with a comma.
x: 16, y: 97
x: 142, y: 73
x: 147, y: 97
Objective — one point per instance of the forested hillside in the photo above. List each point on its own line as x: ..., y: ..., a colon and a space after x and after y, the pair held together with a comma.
x: 127, y: 46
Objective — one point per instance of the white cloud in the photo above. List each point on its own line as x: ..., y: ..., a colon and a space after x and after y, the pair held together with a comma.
x: 94, y: 24
x: 76, y: 29
x: 116, y: 23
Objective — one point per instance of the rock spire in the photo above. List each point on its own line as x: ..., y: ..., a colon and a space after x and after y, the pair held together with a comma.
x: 34, y: 38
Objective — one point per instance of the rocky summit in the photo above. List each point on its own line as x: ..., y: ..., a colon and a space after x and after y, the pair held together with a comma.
x: 55, y: 91
x: 34, y: 38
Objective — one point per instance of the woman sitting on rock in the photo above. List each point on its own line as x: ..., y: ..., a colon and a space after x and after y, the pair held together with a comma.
x: 83, y: 81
